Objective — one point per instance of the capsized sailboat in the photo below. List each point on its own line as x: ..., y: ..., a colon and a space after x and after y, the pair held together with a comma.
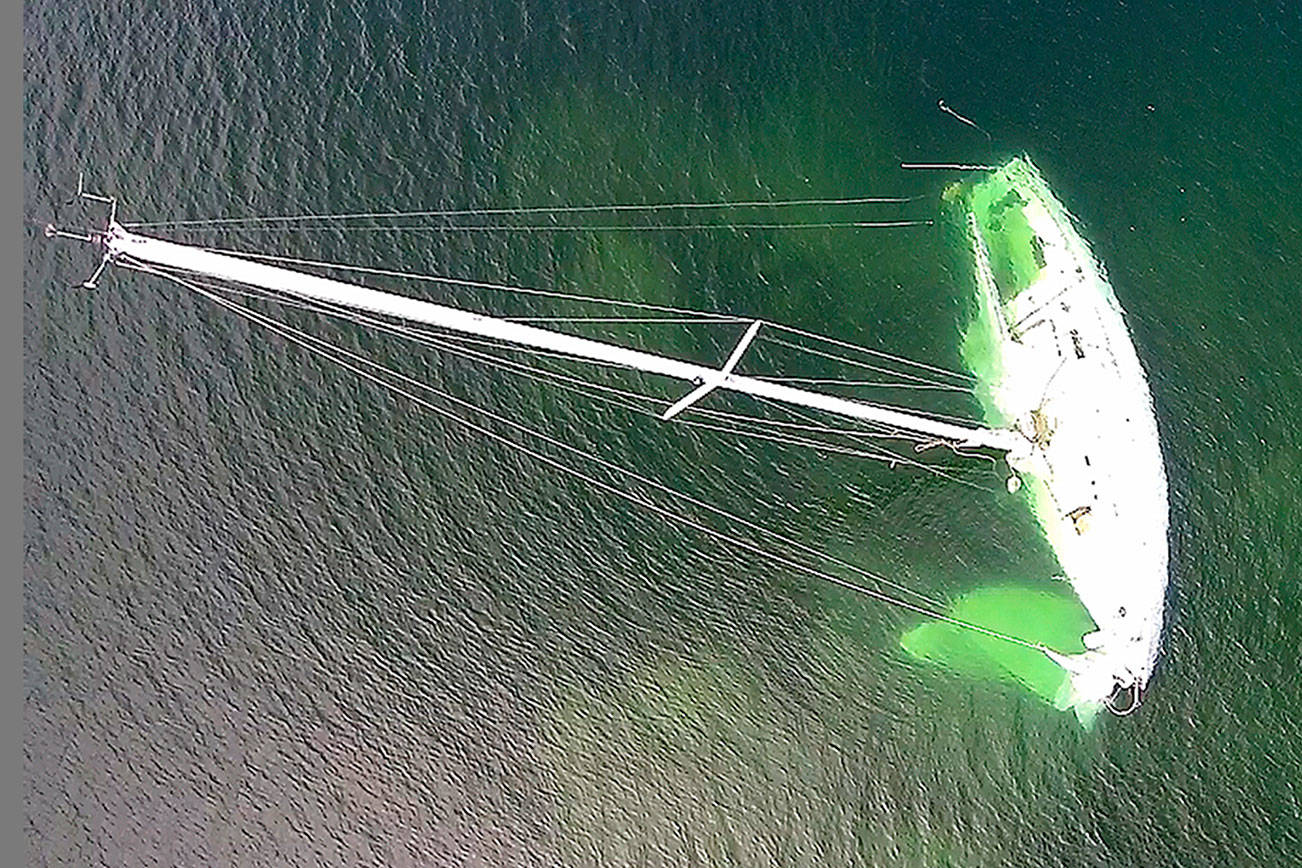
x: 1059, y: 365
x: 1065, y: 398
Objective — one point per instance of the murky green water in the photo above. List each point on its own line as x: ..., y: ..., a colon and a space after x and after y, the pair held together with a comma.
x: 274, y: 615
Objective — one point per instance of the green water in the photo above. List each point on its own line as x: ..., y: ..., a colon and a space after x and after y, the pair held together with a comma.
x: 1009, y: 238
x: 1045, y: 612
x: 272, y: 615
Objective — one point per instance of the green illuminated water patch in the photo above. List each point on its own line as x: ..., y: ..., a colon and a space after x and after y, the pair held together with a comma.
x: 980, y: 348
x: 1048, y: 614
x: 983, y: 355
x: 1016, y: 255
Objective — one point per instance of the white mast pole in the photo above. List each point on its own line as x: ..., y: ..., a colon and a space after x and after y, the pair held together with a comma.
x: 120, y: 242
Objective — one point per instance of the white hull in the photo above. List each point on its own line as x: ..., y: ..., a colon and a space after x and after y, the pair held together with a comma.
x: 1096, y: 479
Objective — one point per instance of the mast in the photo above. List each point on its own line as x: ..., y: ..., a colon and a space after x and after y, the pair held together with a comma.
x: 128, y: 245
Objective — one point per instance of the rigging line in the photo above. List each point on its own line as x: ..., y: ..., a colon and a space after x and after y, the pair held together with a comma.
x: 895, y: 434
x: 655, y: 508
x: 892, y: 457
x: 417, y: 334
x: 408, y: 331
x: 587, y: 390
x: 848, y: 361
x: 613, y: 320
x: 449, y: 344
x: 963, y: 453
x: 607, y: 227
x: 889, y: 458
x: 559, y: 379
x: 439, y: 340
x: 534, y: 351
x: 544, y: 374
x: 473, y: 284
x: 288, y: 332
x: 540, y: 209
x: 931, y: 413
x: 1016, y: 327
x: 885, y: 430
x: 788, y: 441
x: 813, y: 428
x: 262, y: 294
x: 845, y: 360
x: 446, y: 341
x: 886, y: 433
x: 886, y: 455
x: 584, y: 389
x: 625, y: 320
x: 826, y: 381
x: 877, y: 431
x: 555, y: 376
x: 963, y: 167
x: 900, y: 359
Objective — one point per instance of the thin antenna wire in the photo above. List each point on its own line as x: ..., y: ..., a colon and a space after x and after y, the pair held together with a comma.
x: 538, y: 209
x: 610, y: 227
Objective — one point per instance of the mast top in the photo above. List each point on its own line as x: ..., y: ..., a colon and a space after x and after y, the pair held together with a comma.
x: 94, y: 236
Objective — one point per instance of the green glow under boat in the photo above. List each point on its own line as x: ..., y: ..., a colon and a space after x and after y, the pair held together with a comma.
x: 1047, y: 613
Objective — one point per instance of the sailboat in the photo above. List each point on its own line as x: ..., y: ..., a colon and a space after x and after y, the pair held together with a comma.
x: 1063, y: 371
x: 1065, y: 398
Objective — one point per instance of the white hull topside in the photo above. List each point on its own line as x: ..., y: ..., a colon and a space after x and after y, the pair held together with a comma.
x: 1071, y: 380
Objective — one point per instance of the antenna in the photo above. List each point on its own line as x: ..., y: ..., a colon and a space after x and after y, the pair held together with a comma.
x: 111, y: 201
x: 90, y: 237
x: 89, y: 283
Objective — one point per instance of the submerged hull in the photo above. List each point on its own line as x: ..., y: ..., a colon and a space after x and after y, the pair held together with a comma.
x: 1061, y: 367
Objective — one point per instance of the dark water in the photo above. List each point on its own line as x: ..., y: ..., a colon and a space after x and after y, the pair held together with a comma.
x: 275, y: 616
